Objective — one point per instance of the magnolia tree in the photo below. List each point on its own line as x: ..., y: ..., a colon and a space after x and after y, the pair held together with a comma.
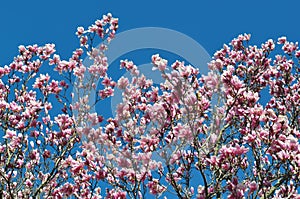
x: 233, y: 133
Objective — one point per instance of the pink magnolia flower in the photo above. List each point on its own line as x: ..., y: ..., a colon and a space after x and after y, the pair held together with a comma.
x: 80, y: 31
x: 159, y: 63
x: 10, y: 134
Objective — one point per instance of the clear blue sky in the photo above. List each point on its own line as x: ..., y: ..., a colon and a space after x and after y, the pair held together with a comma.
x: 211, y: 23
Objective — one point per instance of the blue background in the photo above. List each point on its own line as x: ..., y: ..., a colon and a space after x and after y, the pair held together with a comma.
x: 211, y: 23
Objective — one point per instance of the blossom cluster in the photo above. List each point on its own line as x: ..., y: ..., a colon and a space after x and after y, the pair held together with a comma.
x: 231, y: 133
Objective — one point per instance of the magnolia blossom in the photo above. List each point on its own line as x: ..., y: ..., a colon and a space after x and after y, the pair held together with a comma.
x: 231, y: 133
